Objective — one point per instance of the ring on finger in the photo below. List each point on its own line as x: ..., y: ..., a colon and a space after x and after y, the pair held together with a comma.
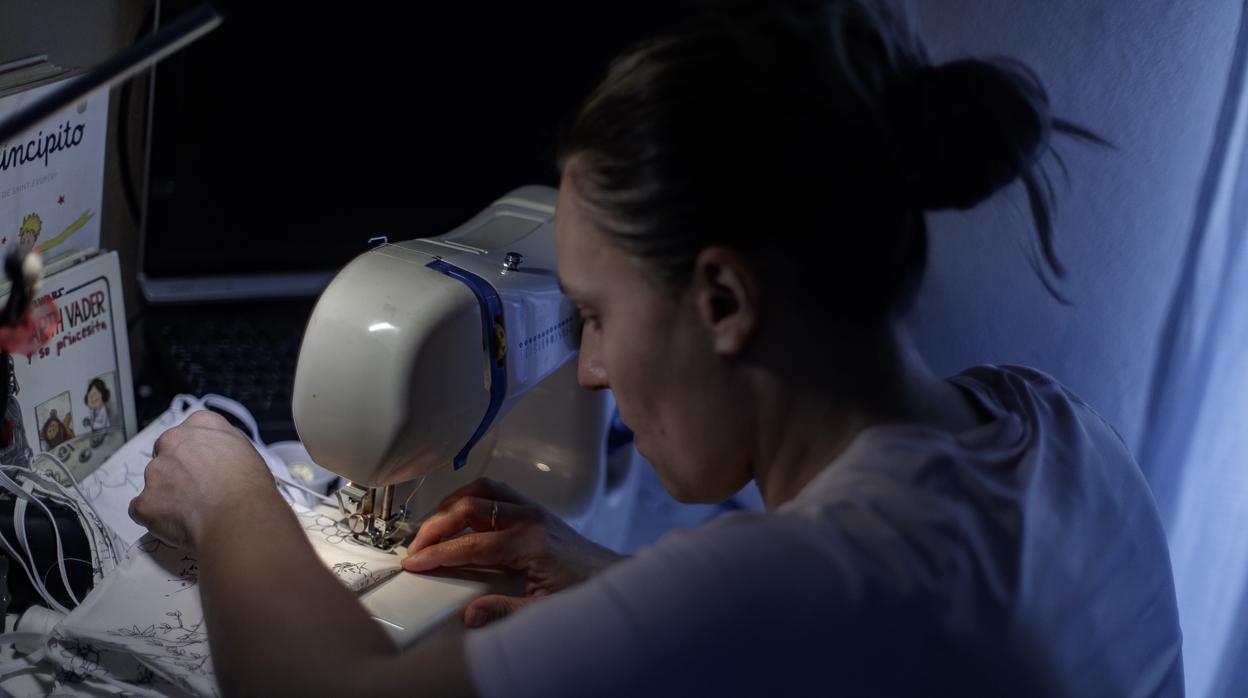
x: 494, y: 516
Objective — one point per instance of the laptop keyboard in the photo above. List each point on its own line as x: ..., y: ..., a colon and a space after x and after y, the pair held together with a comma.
x: 245, y: 354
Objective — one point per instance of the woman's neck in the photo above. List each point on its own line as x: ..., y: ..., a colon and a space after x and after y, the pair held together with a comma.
x: 809, y: 418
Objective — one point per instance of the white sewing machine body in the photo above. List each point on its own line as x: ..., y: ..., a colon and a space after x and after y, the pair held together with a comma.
x: 439, y: 360
x: 415, y: 346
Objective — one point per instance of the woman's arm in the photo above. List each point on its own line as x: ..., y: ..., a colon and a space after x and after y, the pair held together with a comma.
x: 279, y: 623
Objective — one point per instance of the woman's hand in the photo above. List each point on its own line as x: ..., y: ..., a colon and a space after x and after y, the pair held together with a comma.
x: 510, y: 532
x: 201, y: 469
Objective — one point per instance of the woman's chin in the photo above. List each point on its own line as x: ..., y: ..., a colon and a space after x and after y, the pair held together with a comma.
x: 678, y: 488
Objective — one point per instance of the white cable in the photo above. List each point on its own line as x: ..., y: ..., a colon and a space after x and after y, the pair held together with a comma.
x: 73, y: 481
x: 20, y: 525
x: 407, y: 501
x: 24, y: 496
x: 324, y: 498
x: 68, y: 559
x: 82, y: 497
x: 19, y: 516
x: 9, y: 484
x: 60, y: 550
x: 63, y: 497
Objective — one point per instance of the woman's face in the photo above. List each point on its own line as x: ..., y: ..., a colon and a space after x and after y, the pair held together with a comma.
x: 94, y: 399
x: 644, y: 341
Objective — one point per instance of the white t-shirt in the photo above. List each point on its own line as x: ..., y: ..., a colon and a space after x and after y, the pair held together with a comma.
x: 1022, y: 556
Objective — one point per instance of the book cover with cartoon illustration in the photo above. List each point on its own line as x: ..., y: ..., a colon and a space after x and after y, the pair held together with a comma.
x: 73, y: 396
x: 52, y: 177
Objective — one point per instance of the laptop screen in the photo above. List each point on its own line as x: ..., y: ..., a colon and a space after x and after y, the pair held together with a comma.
x: 286, y: 140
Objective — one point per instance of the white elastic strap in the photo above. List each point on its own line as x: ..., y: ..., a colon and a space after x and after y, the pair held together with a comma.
x: 178, y: 407
x: 103, y: 549
x: 237, y: 410
x: 311, y: 492
x: 19, y: 527
x: 80, y: 501
x: 9, y: 484
x: 60, y: 550
x: 19, y: 524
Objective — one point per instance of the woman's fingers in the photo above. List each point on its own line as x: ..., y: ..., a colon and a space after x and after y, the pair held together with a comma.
x: 492, y: 607
x: 486, y: 488
x: 137, y: 513
x: 491, y: 549
x: 468, y: 512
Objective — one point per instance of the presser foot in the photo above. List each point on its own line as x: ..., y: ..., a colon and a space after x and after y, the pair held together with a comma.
x: 371, y: 521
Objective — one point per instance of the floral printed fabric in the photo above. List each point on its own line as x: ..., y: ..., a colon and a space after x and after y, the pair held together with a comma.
x: 143, y: 625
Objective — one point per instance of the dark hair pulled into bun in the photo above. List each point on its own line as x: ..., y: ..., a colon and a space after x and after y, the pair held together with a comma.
x: 968, y: 128
x: 815, y: 131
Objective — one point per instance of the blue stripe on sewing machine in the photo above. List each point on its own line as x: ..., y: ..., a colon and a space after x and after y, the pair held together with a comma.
x: 491, y: 312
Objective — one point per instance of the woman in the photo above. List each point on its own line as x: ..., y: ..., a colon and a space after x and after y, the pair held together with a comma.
x: 740, y: 222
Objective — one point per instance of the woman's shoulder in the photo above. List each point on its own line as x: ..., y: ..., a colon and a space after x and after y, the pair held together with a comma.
x: 1006, y: 379
x: 1040, y: 398
x: 1011, y: 384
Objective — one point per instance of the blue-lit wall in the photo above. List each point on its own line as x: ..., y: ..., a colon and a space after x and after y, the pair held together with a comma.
x: 1148, y: 75
x: 1160, y: 359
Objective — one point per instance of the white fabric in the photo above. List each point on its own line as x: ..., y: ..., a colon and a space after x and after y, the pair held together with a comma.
x: 1025, y: 555
x: 143, y: 626
x: 120, y: 478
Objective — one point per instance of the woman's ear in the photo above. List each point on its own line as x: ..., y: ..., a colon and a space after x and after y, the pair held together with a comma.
x: 726, y: 294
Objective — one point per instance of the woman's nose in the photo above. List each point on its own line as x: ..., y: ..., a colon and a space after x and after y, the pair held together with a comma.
x: 590, y: 372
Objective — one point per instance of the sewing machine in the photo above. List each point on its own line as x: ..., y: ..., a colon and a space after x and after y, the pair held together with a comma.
x: 439, y: 360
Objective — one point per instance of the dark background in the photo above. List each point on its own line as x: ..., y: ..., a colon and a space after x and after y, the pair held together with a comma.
x: 285, y: 139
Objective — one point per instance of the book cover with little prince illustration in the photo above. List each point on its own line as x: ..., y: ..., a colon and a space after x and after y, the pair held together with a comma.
x: 52, y: 177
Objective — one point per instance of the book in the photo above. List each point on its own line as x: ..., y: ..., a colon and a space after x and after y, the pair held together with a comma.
x: 73, y: 396
x: 52, y: 176
x: 29, y: 72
